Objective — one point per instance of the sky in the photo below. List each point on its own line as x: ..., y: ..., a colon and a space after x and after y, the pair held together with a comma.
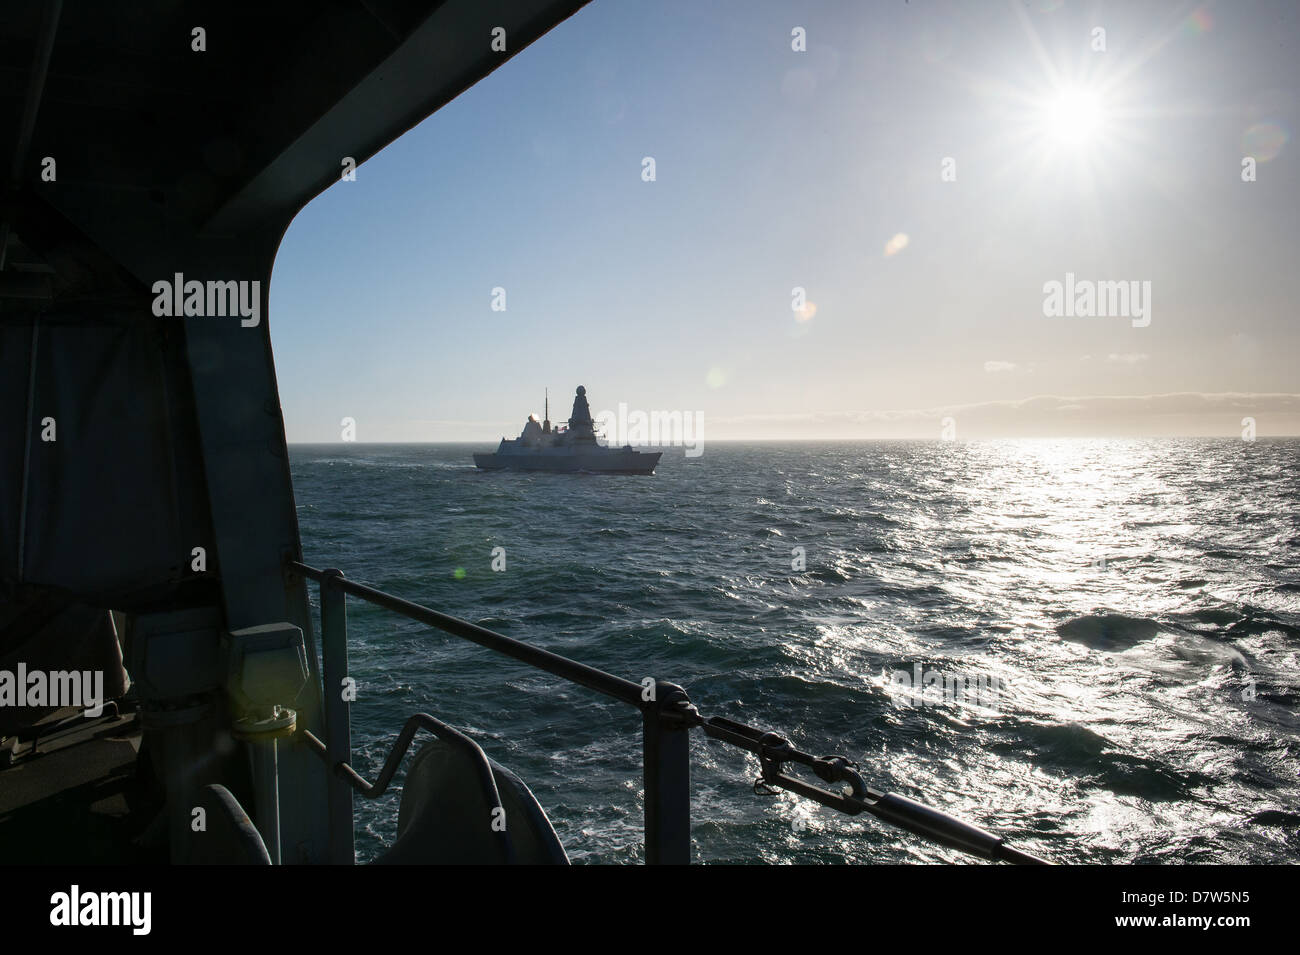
x: 856, y: 239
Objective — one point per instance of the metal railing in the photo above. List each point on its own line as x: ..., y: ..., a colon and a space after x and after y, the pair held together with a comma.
x: 668, y: 716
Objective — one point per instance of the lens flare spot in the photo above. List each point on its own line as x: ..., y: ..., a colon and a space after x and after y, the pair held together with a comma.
x: 897, y: 244
x: 806, y: 313
x: 716, y: 377
x: 1264, y: 141
x: 1198, y: 22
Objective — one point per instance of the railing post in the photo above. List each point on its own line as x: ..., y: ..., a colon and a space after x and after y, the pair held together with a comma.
x: 338, y: 731
x: 266, y: 783
x: 667, y: 769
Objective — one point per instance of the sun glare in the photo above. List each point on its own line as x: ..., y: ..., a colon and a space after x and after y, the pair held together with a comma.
x: 1074, y: 117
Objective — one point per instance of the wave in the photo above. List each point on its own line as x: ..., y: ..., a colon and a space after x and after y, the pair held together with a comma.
x: 1108, y: 631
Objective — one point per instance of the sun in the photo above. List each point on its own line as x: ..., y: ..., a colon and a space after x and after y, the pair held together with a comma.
x: 1076, y: 127
x: 1074, y: 117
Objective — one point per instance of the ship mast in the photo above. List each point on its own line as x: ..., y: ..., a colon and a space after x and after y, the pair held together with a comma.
x: 546, y: 415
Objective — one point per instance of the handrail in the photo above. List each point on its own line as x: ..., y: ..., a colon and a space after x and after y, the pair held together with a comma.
x: 668, y: 716
x: 612, y: 686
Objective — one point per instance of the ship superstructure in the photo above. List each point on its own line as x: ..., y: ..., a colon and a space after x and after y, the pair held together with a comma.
x: 575, y: 447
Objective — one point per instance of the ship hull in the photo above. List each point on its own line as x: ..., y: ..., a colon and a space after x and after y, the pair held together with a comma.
x: 612, y: 462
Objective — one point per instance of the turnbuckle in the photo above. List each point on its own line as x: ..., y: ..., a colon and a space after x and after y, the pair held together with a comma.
x: 774, y: 751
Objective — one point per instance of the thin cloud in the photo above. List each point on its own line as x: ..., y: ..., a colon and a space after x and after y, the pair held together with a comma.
x: 1177, y: 413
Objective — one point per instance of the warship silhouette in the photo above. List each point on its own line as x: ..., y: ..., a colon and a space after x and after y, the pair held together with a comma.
x: 540, y: 447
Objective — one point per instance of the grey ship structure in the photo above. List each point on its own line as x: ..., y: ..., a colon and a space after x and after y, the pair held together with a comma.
x: 540, y: 447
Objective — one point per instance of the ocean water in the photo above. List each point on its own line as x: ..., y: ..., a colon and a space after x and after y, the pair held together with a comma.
x: 1132, y: 607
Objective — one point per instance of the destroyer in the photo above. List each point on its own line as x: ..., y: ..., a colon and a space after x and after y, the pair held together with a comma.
x: 541, y: 448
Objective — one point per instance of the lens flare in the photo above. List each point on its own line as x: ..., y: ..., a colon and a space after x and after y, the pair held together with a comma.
x: 1264, y: 141
x: 897, y: 244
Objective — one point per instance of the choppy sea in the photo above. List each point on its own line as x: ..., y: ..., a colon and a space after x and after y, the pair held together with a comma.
x: 1130, y: 610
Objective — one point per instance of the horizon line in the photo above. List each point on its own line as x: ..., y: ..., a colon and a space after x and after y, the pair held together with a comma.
x: 831, y: 439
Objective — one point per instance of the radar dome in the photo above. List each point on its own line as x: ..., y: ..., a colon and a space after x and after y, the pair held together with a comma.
x: 581, y: 390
